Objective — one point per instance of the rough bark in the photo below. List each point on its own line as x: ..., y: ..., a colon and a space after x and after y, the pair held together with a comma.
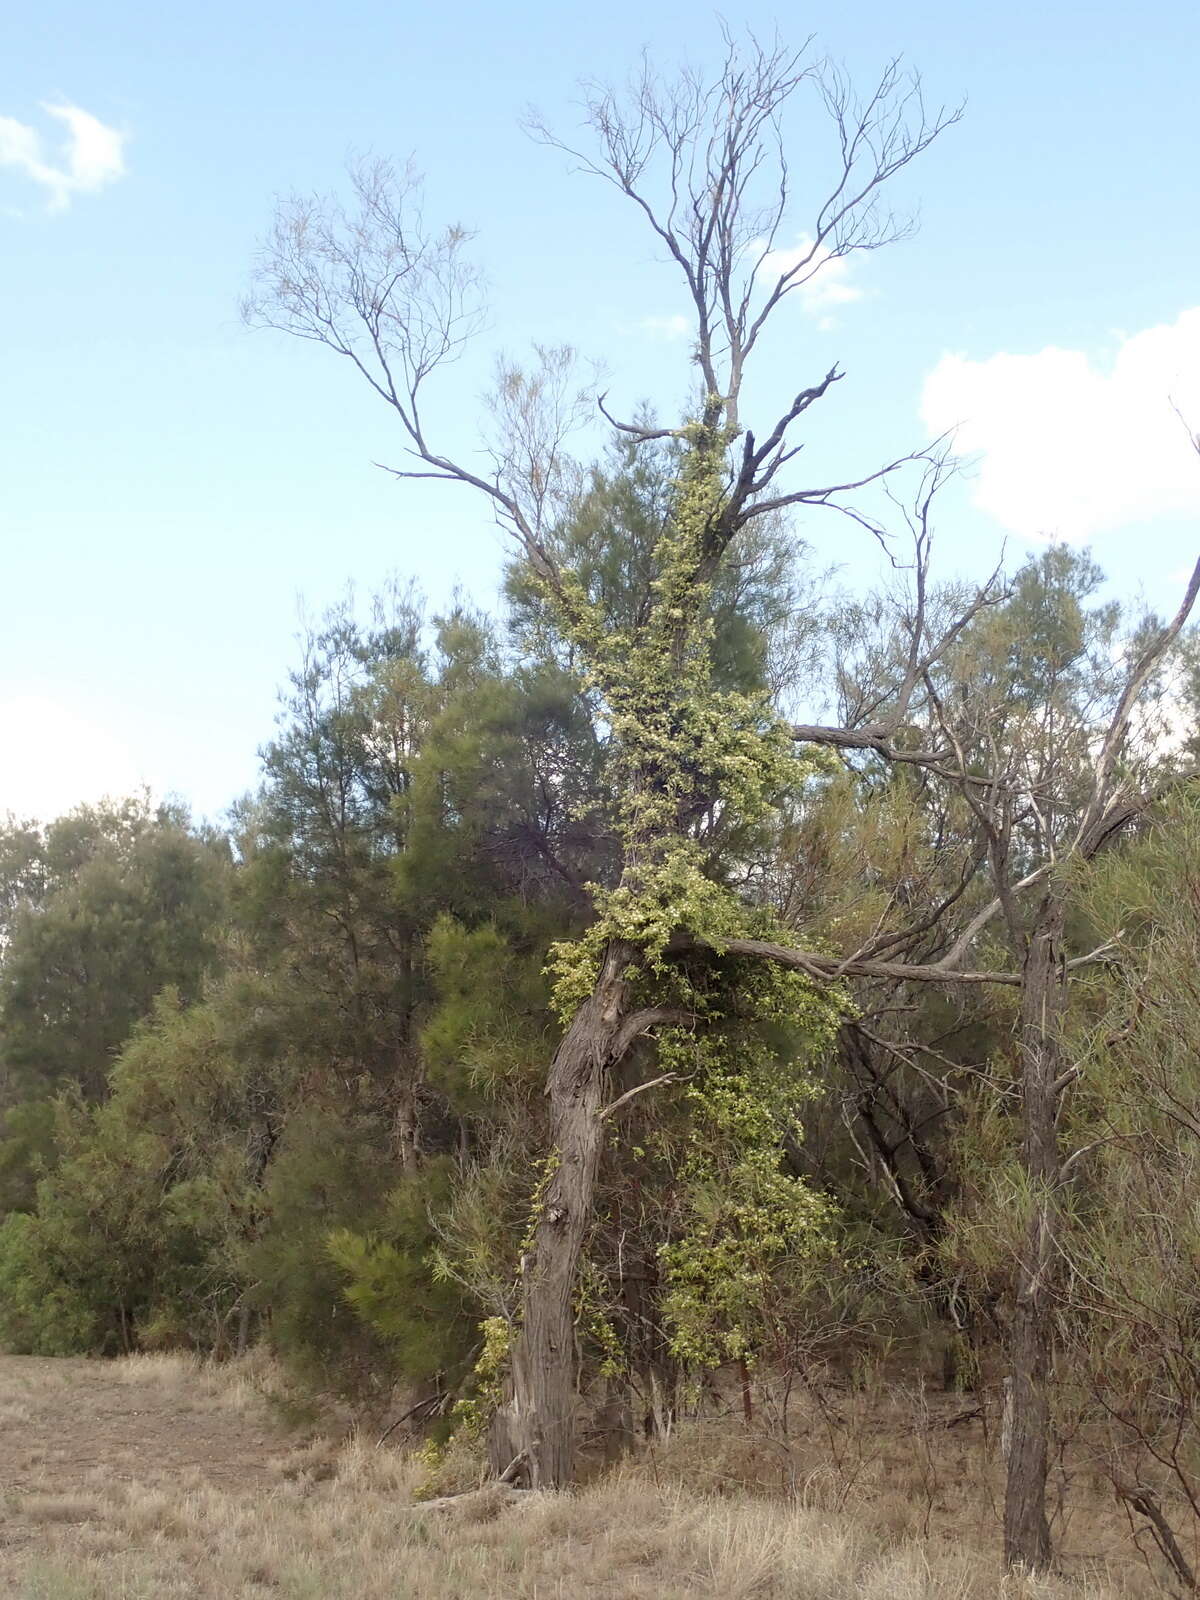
x: 536, y: 1420
x: 406, y: 1128
x: 1043, y: 1004
x: 243, y: 1328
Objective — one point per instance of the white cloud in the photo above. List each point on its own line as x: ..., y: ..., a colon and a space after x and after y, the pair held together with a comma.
x: 56, y: 757
x: 821, y: 286
x: 91, y: 154
x: 1068, y: 448
x: 822, y: 280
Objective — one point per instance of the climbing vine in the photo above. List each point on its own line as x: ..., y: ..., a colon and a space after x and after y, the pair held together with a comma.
x: 682, y: 744
x: 740, y: 1217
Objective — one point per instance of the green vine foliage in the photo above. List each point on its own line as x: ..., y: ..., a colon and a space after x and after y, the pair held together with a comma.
x: 471, y: 1412
x: 595, y: 1323
x: 695, y: 768
x: 686, y: 747
x: 682, y: 745
x: 742, y: 1221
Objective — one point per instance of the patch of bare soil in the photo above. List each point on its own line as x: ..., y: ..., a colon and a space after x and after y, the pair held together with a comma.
x: 63, y: 1419
x: 77, y: 1436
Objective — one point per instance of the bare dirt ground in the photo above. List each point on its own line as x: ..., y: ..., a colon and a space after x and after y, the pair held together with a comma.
x: 78, y: 1437
x: 66, y: 1421
x: 156, y: 1479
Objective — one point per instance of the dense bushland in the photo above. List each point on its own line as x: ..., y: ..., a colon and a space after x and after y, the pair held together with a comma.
x: 567, y: 1035
x: 299, y: 1099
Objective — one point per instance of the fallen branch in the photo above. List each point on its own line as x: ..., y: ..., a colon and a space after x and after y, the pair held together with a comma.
x: 971, y: 1414
x: 500, y: 1490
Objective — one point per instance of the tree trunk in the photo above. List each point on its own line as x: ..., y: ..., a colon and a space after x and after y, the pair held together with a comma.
x: 747, y: 1395
x: 536, y: 1420
x: 652, y: 1366
x: 405, y: 1124
x: 1043, y: 1003
x: 243, y: 1327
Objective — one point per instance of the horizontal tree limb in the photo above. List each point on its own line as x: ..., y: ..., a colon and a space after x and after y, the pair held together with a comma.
x: 830, y: 968
x: 876, y: 738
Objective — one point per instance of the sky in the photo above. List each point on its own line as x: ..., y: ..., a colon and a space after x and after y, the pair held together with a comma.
x: 174, y: 486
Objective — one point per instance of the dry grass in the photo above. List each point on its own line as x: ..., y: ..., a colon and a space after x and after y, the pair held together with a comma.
x: 238, y: 1386
x: 916, y: 1467
x: 356, y: 1538
x: 221, y: 1503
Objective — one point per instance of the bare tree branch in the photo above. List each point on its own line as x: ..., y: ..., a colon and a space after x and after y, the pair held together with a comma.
x: 641, y: 1022
x: 638, y: 1088
x: 831, y: 968
x: 1105, y: 800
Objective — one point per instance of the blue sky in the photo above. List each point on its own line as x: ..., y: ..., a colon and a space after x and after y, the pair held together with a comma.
x: 171, y: 483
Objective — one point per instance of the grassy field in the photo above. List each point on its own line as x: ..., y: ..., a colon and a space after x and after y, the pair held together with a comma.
x: 158, y: 1479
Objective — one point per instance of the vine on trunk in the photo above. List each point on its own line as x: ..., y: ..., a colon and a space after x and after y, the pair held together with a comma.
x: 682, y: 745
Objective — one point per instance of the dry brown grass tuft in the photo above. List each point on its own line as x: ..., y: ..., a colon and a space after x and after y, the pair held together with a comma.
x: 212, y: 1501
x: 59, y: 1507
x: 239, y: 1386
x: 608, y: 1541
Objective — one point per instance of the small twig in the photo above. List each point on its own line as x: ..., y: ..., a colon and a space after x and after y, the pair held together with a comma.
x: 1098, y: 953
x: 969, y: 1415
x: 429, y: 1400
x: 638, y: 1088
